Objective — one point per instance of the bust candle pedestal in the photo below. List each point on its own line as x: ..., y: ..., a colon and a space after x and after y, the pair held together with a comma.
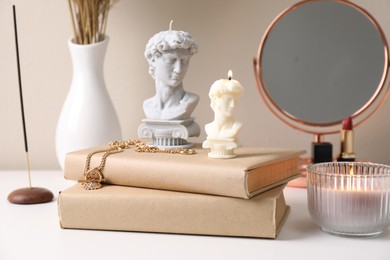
x: 168, y: 134
x: 222, y: 149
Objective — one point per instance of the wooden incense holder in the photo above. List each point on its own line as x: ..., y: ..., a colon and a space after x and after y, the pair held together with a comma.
x: 32, y: 195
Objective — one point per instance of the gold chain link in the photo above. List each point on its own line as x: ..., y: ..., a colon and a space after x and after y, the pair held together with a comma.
x: 94, y: 177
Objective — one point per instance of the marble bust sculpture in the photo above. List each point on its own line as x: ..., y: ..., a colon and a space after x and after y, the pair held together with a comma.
x: 168, y: 113
x: 168, y: 54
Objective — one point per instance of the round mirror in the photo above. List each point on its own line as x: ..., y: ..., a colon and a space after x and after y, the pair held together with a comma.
x: 321, y: 61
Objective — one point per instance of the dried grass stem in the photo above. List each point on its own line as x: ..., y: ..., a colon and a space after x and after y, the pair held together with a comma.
x: 89, y: 20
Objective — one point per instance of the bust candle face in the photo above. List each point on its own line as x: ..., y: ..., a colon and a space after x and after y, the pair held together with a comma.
x: 171, y: 66
x: 226, y: 104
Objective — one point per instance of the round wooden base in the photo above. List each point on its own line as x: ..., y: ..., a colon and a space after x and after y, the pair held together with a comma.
x: 300, y: 182
x: 32, y: 195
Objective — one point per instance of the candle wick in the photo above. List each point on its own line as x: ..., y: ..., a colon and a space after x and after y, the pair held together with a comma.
x: 230, y: 75
x: 170, y: 25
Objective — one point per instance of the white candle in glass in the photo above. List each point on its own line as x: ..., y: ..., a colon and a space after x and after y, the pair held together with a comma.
x: 345, y: 202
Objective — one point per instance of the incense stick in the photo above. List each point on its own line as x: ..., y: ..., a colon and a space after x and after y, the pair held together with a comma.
x: 21, y: 96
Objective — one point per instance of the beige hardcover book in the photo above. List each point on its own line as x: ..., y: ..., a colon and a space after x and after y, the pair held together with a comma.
x: 253, y: 171
x: 147, y: 210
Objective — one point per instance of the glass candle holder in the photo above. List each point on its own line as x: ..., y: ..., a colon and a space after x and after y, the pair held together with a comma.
x: 349, y: 199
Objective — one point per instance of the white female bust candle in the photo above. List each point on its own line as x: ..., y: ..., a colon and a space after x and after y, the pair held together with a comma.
x: 222, y: 132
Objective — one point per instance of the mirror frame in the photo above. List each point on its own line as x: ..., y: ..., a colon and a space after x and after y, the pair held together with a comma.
x: 319, y: 129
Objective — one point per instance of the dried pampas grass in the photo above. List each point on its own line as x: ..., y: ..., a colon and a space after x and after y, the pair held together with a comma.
x: 89, y: 20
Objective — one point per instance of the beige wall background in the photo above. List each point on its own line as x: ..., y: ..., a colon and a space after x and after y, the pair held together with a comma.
x: 228, y: 33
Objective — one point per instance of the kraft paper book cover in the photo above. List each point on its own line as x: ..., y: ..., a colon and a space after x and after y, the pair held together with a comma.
x: 253, y: 171
x: 146, y: 210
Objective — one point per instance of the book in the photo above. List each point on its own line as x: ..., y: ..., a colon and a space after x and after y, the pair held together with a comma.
x: 253, y: 171
x: 122, y: 208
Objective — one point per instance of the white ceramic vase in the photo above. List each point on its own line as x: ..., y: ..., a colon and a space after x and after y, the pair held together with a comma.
x: 88, y: 118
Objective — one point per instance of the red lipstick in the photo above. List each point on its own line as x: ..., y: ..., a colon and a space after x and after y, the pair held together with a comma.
x: 346, y: 137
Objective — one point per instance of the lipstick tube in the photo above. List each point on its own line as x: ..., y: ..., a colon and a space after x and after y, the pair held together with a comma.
x: 346, y: 142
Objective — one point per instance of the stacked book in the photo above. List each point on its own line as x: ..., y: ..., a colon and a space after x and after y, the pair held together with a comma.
x: 187, y: 194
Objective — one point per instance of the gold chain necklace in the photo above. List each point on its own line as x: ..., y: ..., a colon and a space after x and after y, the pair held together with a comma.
x: 94, y: 177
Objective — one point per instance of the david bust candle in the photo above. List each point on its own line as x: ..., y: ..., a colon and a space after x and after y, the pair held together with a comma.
x: 168, y: 113
x: 222, y: 132
x: 349, y: 199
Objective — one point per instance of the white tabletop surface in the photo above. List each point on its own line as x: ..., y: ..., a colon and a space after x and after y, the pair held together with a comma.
x: 33, y: 232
